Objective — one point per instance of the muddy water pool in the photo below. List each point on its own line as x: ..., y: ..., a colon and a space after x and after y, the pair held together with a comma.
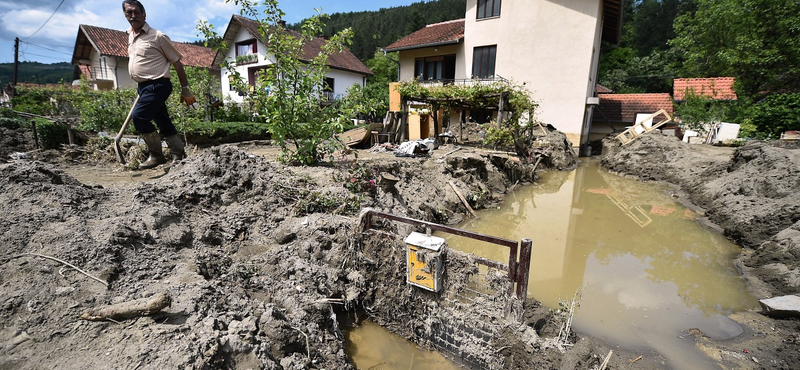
x: 370, y: 346
x: 645, y: 270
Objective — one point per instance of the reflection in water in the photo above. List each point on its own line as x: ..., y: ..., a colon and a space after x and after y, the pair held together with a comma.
x: 649, y: 270
x: 370, y: 346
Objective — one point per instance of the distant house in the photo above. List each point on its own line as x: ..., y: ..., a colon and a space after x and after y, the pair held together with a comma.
x: 553, y: 47
x: 101, y: 54
x: 714, y: 88
x: 618, y: 111
x: 249, y: 53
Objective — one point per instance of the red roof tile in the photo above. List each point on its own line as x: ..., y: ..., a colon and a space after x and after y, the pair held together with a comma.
x: 115, y: 43
x: 344, y: 60
x: 715, y: 88
x: 450, y: 32
x: 603, y: 90
x: 624, y: 107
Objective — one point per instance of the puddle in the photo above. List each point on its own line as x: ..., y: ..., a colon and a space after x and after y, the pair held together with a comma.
x: 370, y: 346
x: 112, y: 175
x: 649, y: 271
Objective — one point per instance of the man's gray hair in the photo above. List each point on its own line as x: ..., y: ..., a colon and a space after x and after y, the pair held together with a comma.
x: 135, y: 3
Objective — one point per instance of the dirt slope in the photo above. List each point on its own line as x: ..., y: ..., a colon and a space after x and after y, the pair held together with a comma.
x: 259, y: 260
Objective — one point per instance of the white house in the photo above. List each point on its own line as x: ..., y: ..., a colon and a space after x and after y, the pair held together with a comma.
x: 246, y: 47
x: 101, y: 54
x: 551, y: 46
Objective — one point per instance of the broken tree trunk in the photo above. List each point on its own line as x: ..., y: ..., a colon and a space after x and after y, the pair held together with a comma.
x: 127, y: 310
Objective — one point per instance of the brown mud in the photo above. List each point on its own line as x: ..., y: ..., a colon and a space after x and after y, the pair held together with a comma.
x: 264, y: 263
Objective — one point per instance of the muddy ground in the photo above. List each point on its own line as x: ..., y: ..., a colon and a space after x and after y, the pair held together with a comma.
x: 264, y: 263
x: 750, y: 195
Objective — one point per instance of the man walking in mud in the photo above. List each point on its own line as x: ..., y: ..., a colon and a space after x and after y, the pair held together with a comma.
x: 150, y: 54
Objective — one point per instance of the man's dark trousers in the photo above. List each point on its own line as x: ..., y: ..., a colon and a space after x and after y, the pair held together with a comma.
x: 152, y: 106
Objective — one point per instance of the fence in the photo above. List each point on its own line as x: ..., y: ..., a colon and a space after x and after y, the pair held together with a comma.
x: 490, y: 301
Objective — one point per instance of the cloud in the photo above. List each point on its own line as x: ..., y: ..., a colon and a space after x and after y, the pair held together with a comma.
x: 177, y: 18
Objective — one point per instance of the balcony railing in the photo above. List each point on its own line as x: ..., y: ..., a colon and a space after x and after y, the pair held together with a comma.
x: 463, y: 81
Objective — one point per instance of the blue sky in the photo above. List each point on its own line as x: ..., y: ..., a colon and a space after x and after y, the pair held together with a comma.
x: 52, y: 41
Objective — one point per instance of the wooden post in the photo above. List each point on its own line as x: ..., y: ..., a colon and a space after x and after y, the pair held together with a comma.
x: 69, y: 134
x: 500, y: 107
x: 403, y: 120
x: 461, y: 124
x: 523, y: 269
x: 35, y: 136
x: 435, y: 114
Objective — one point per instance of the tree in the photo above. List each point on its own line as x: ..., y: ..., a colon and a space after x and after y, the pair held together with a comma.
x: 651, y: 23
x: 776, y: 114
x: 756, y: 41
x: 288, y: 94
x: 644, y: 61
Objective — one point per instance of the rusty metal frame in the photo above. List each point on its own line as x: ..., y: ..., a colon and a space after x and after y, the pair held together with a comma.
x: 518, y: 266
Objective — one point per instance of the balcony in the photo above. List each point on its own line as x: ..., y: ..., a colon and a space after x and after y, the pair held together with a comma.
x: 464, y: 81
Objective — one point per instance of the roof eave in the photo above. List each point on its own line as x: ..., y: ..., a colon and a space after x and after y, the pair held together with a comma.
x: 422, y: 46
x: 352, y: 70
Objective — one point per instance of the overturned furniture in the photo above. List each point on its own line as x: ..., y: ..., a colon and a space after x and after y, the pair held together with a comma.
x: 643, y: 126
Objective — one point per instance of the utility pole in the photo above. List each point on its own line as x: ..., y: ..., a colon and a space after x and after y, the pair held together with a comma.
x: 16, y: 63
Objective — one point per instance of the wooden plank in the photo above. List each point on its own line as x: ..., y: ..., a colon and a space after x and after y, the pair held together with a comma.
x: 463, y: 200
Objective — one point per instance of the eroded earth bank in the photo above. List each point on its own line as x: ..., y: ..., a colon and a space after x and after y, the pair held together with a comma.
x: 239, y: 262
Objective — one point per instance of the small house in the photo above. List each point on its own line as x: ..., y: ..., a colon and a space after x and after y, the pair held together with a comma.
x: 248, y: 53
x: 101, y: 54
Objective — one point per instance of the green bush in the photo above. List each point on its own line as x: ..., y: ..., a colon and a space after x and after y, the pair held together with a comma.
x: 105, y: 110
x: 201, y: 132
x: 776, y: 114
x: 51, y: 135
x: 12, y: 123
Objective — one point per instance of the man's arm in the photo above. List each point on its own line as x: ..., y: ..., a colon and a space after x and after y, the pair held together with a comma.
x: 186, y: 94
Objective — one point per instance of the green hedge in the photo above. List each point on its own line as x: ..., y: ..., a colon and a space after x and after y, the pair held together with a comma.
x: 776, y: 114
x: 204, y: 132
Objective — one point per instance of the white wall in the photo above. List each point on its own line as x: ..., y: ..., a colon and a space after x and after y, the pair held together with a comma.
x: 243, y: 35
x: 549, y: 45
x: 111, y: 68
x: 342, y: 79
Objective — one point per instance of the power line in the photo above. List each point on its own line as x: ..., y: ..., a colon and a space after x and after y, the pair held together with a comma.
x: 48, y: 19
x: 25, y: 54
x: 53, y: 50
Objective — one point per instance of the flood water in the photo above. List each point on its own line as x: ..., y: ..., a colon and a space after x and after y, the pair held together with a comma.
x: 647, y: 269
x: 370, y: 346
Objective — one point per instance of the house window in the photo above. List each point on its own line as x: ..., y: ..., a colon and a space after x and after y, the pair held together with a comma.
x: 246, y: 47
x: 436, y: 68
x: 327, y: 88
x: 254, y: 73
x: 488, y: 8
x: 483, y: 61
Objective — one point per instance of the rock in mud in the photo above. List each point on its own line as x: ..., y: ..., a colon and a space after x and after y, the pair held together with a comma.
x: 783, y: 307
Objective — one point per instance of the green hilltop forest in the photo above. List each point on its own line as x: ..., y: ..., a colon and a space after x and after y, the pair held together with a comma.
x: 376, y: 29
x: 37, y: 73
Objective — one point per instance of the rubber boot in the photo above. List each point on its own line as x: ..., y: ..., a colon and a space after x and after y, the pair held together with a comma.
x: 156, y: 155
x: 175, y: 145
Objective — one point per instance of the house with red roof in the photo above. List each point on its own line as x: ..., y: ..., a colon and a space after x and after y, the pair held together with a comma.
x: 248, y: 53
x: 714, y: 88
x: 101, y: 54
x: 552, y: 47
